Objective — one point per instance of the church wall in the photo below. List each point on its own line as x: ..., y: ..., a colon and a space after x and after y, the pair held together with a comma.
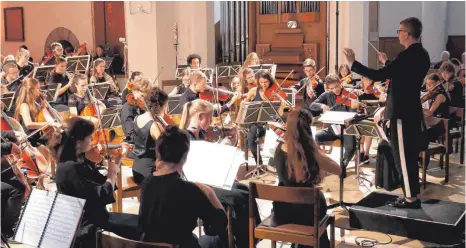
x: 40, y: 18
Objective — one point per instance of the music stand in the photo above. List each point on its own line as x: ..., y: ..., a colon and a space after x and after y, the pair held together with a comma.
x: 108, y: 63
x: 257, y: 112
x: 99, y: 90
x: 227, y: 71
x: 209, y: 72
x: 341, y: 119
x: 51, y: 91
x: 8, y: 98
x: 78, y: 64
x: 362, y: 128
x: 179, y: 70
x: 111, y: 117
x: 174, y: 107
x: 272, y: 68
x: 43, y: 71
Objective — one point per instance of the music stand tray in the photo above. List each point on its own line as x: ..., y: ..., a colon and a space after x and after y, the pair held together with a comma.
x: 272, y: 68
x: 174, y: 107
x: 7, y: 99
x: 99, y: 90
x: 78, y: 64
x: 42, y: 71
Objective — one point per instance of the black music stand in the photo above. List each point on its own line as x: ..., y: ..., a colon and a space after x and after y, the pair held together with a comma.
x: 268, y: 67
x: 227, y: 71
x: 78, y: 64
x: 51, y: 91
x: 341, y: 119
x: 111, y: 117
x: 174, y: 107
x: 43, y: 71
x: 257, y: 112
x: 179, y: 70
x: 8, y: 99
x: 99, y: 90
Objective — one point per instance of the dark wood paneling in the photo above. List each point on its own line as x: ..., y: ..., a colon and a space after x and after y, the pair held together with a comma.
x: 455, y: 45
x: 391, y: 46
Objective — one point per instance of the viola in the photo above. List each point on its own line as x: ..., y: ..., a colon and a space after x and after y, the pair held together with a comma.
x: 370, y: 90
x: 273, y: 93
x: 133, y: 101
x: 211, y: 94
x: 346, y: 98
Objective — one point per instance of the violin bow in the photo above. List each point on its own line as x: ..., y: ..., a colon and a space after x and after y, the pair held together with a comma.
x: 158, y: 75
x: 307, y: 82
x: 286, y: 78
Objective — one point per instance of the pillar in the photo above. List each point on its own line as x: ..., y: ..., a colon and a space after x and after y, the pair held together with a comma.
x: 434, y: 23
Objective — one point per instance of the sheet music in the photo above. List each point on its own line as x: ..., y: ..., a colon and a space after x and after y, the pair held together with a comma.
x: 336, y: 117
x: 63, y: 222
x: 35, y: 217
x: 211, y: 163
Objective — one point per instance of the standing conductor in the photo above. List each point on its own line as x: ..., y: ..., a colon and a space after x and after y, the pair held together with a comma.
x: 403, y: 110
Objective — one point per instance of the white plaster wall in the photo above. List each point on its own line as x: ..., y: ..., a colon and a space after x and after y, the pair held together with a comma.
x: 391, y: 13
x: 456, y: 18
x: 39, y: 22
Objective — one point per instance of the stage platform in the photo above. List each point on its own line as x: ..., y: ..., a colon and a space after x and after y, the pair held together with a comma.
x: 437, y: 221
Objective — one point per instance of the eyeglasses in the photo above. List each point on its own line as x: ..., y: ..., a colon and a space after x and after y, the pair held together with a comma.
x: 401, y: 30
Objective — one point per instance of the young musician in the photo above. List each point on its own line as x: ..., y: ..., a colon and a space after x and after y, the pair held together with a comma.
x: 47, y: 52
x: 78, y: 177
x: 445, y: 58
x: 99, y: 52
x: 248, y: 80
x: 27, y: 110
x: 129, y: 111
x: 194, y: 61
x: 452, y: 84
x: 314, y: 86
x: 10, y: 82
x: 196, y: 118
x: 57, y: 50
x: 403, y: 108
x: 171, y: 206
x: 251, y: 59
x: 60, y: 76
x: 12, y: 189
x: 180, y: 89
x: 346, y: 78
x: 80, y: 99
x: 300, y: 163
x: 146, y: 131
x: 327, y: 102
x: 22, y: 60
x: 134, y: 76
x: 100, y: 76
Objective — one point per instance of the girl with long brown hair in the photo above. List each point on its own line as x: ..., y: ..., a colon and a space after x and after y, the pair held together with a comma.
x: 300, y: 163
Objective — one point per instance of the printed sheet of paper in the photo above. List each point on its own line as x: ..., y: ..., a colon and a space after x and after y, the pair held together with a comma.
x: 211, y: 164
x: 35, y: 217
x: 63, y: 222
x: 336, y: 117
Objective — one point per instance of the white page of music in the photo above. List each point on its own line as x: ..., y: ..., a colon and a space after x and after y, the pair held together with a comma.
x: 210, y: 163
x: 35, y: 217
x: 63, y: 222
x: 336, y: 117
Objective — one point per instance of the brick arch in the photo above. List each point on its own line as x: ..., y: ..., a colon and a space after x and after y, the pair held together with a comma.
x: 62, y: 34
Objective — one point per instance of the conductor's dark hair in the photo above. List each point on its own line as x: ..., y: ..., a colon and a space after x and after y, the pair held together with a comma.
x: 135, y: 74
x: 413, y: 26
x: 172, y: 145
x: 155, y: 99
x: 193, y: 56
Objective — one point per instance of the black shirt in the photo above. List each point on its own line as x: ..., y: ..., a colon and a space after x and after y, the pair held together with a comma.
x: 128, y: 113
x: 319, y: 89
x: 407, y: 72
x: 78, y: 102
x: 457, y: 93
x: 57, y: 78
x: 170, y: 208
x: 26, y: 69
x: 82, y: 180
x: 330, y: 99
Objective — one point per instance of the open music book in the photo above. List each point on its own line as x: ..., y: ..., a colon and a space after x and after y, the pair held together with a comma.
x: 49, y: 219
x: 212, y: 164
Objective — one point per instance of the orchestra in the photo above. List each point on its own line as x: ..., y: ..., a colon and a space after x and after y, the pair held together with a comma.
x: 79, y: 132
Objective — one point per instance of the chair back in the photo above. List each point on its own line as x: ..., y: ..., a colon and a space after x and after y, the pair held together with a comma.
x: 293, y: 195
x: 106, y: 239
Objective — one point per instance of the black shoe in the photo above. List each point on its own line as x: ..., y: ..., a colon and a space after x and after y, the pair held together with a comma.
x: 365, y: 160
x: 403, y: 203
x: 361, y: 157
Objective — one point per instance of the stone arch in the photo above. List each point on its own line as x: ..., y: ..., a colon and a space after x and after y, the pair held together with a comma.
x: 62, y: 35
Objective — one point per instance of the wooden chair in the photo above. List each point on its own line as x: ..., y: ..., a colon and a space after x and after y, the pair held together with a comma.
x: 458, y: 135
x: 231, y: 239
x: 293, y: 233
x: 124, y: 190
x: 437, y: 148
x: 107, y: 239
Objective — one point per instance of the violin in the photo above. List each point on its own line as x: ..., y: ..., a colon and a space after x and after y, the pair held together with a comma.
x: 273, y: 93
x: 279, y: 130
x: 133, y: 101
x: 426, y: 96
x: 252, y: 85
x: 347, y: 79
x: 346, y: 98
x: 212, y: 93
x: 9, y: 163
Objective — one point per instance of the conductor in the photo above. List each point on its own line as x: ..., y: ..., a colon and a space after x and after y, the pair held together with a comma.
x: 403, y: 109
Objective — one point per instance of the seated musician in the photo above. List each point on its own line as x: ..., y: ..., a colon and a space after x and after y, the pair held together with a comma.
x: 69, y: 51
x: 146, y: 131
x: 60, y: 76
x: 57, y: 50
x: 346, y: 77
x: 328, y: 101
x: 27, y: 110
x: 80, y: 99
x: 196, y: 120
x: 130, y: 110
x: 248, y: 80
x: 199, y: 84
x: 452, y: 84
x: 10, y: 82
x: 22, y: 60
x: 251, y: 60
x: 170, y: 206
x: 134, y: 76
x: 313, y: 80
x: 194, y: 61
x: 13, y: 189
x: 368, y: 93
x: 78, y: 177
x: 99, y: 52
x: 300, y: 163
x: 47, y: 52
x: 180, y: 89
x: 257, y: 94
x: 100, y: 76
